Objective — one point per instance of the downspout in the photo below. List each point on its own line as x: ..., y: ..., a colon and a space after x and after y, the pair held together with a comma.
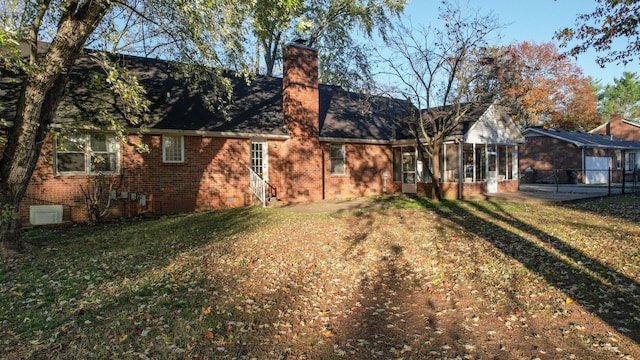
x: 584, y: 164
x: 322, y: 169
x: 444, y: 162
x: 460, y: 171
x: 516, y: 161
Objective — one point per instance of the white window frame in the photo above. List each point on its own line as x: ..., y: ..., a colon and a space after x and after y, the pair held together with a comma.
x: 179, y: 152
x: 88, y: 155
x: 335, y: 158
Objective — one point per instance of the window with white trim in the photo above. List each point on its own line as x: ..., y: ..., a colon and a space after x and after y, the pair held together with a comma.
x: 172, y: 149
x: 336, y: 152
x: 87, y: 154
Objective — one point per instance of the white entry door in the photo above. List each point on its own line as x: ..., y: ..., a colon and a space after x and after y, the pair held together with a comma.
x: 409, y: 174
x: 259, y: 159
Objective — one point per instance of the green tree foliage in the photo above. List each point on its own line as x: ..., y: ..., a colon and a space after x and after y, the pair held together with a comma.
x: 200, y: 34
x: 612, y: 20
x: 329, y: 25
x: 621, y: 97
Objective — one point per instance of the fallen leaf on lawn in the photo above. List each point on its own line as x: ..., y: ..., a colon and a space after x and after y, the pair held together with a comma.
x: 328, y: 333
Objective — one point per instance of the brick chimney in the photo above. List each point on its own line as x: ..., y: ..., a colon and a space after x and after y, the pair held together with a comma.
x: 301, y: 158
x: 615, y: 122
x: 300, y: 90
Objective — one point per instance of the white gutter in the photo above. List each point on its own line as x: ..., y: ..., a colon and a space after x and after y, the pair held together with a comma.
x: 205, y: 133
x: 356, y: 141
x: 201, y: 133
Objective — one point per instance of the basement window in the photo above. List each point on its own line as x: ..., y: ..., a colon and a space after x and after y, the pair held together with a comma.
x: 87, y: 154
x: 172, y: 149
x: 337, y: 159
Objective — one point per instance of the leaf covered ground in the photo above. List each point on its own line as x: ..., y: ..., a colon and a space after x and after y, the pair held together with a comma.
x: 407, y: 279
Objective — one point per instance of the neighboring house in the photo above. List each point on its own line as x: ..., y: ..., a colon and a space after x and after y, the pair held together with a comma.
x: 289, y: 138
x: 574, y: 156
x: 626, y: 130
x: 619, y: 128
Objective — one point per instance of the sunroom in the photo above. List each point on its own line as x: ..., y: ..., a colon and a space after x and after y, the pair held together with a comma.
x: 480, y: 156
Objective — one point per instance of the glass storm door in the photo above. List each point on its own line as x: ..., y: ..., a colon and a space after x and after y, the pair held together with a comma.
x: 259, y: 159
x: 492, y: 173
x: 409, y: 173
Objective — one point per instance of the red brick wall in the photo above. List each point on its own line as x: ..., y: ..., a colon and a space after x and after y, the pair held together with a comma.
x: 365, y: 165
x: 215, y: 174
x: 619, y: 129
x: 450, y: 190
x: 545, y: 153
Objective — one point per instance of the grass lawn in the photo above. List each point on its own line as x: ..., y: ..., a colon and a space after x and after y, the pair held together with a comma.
x: 409, y: 279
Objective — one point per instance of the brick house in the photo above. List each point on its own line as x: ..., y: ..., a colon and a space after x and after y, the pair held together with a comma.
x: 573, y: 156
x: 292, y: 139
x: 619, y: 128
x: 626, y: 130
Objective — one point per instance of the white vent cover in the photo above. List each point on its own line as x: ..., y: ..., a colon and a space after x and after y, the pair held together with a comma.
x: 45, y: 214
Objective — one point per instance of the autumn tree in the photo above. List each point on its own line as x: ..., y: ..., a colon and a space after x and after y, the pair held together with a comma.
x: 439, y: 72
x: 540, y: 86
x: 579, y: 111
x: 621, y: 97
x: 194, y: 32
x: 330, y: 25
x: 612, y: 21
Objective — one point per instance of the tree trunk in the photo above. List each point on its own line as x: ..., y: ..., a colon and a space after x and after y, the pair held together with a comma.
x: 435, y: 179
x: 270, y: 47
x: 41, y: 93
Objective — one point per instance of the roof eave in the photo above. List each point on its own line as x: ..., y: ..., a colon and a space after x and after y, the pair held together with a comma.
x: 199, y: 133
x: 355, y: 141
x: 581, y: 144
x: 206, y: 133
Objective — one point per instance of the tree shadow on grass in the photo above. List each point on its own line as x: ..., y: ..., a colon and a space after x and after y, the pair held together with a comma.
x: 606, y: 293
x: 86, y: 262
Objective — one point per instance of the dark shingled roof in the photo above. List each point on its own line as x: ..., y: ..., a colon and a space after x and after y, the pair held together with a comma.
x: 582, y: 139
x: 348, y: 115
x: 476, y: 110
x: 256, y: 107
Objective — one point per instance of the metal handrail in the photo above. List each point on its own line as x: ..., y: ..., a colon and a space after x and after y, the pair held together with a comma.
x: 272, y: 191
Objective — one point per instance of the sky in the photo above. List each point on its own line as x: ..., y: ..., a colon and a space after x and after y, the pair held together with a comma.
x: 528, y: 20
